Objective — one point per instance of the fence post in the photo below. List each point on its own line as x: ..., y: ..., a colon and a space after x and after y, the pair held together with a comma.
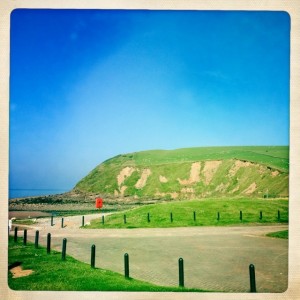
x: 16, y: 234
x: 278, y: 215
x: 148, y: 217
x: 93, y: 253
x: 171, y: 217
x: 181, y: 272
x: 25, y: 237
x: 48, y: 243
x: 124, y: 219
x: 62, y: 222
x: 102, y: 219
x: 126, y: 265
x: 64, y: 249
x: 36, y: 242
x: 51, y: 220
x: 252, y: 278
x: 241, y: 215
x: 218, y: 218
x: 260, y: 215
x: 194, y: 216
x: 82, y: 221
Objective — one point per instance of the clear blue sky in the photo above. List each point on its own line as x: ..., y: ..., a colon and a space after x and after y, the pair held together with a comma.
x: 87, y: 85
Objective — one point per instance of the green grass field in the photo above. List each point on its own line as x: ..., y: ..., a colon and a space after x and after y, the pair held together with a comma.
x: 206, y: 214
x: 273, y: 156
x: 51, y: 273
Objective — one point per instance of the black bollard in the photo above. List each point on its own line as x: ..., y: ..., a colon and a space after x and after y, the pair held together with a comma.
x: 148, y: 217
x: 181, y: 272
x: 126, y: 265
x: 62, y: 222
x: 64, y: 249
x: 51, y: 220
x: 241, y: 215
x: 36, y: 242
x: 48, y: 243
x: 25, y: 237
x: 124, y: 219
x: 82, y: 221
x: 194, y: 216
x: 102, y: 219
x: 16, y: 234
x: 252, y: 279
x: 278, y: 215
x: 171, y: 217
x: 93, y: 253
x: 260, y: 215
x: 218, y: 217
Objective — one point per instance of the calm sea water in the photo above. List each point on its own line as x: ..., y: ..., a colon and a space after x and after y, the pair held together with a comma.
x: 19, y: 193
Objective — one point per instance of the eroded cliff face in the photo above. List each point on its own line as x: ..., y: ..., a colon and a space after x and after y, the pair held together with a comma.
x: 186, y: 180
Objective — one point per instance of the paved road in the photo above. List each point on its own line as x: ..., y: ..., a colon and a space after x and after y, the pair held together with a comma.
x: 215, y: 258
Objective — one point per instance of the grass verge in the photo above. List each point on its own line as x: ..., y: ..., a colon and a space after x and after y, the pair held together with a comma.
x: 51, y: 273
x: 279, y: 234
x: 199, y: 213
x: 24, y: 222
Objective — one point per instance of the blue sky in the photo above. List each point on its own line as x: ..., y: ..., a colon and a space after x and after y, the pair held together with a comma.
x: 86, y: 85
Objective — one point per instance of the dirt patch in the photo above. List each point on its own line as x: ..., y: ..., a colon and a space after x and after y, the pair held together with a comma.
x: 142, y: 181
x: 261, y: 170
x: 173, y: 195
x: 235, y: 189
x: 122, y: 191
x: 163, y: 179
x: 126, y: 172
x: 187, y: 190
x: 274, y: 173
x: 194, y: 174
x: 251, y: 188
x: 222, y: 187
x: 210, y: 169
x: 19, y: 272
x: 237, y: 165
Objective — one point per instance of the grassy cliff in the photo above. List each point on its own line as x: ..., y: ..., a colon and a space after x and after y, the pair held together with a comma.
x: 191, y: 173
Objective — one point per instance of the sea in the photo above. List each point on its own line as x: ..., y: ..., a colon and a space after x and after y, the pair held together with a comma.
x: 21, y: 193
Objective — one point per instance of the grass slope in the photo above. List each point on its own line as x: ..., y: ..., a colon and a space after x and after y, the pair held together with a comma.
x: 206, y: 214
x: 50, y: 273
x: 272, y: 156
x: 174, y: 164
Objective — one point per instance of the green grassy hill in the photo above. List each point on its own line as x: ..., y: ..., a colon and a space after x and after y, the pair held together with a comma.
x: 191, y: 173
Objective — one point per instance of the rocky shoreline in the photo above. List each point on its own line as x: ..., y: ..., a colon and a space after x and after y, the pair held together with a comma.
x: 73, y: 201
